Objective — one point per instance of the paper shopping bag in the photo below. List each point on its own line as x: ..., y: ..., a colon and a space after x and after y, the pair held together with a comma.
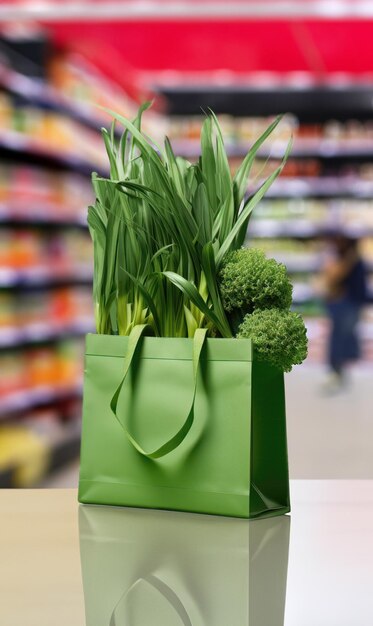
x: 186, y: 424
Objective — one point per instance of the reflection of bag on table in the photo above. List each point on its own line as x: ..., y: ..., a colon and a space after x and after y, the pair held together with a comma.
x: 171, y: 569
x: 199, y: 426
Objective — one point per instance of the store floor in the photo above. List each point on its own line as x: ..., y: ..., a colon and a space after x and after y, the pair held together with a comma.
x: 329, y: 437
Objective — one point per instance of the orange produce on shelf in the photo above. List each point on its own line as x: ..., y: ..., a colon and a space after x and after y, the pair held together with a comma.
x: 42, y: 368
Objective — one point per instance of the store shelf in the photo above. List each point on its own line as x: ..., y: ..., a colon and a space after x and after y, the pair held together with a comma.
x: 40, y: 277
x: 46, y: 97
x: 26, y: 400
x: 297, y: 263
x: 40, y: 151
x: 302, y: 148
x: 302, y: 292
x: 303, y: 229
x: 322, y: 149
x: 59, y: 445
x: 41, y: 214
x: 309, y: 103
x: 325, y: 187
x: 42, y: 333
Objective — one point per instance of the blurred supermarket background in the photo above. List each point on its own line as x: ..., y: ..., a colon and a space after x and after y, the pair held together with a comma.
x: 247, y: 61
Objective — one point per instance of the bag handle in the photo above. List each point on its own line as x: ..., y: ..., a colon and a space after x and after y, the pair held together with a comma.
x: 172, y: 443
x: 164, y: 590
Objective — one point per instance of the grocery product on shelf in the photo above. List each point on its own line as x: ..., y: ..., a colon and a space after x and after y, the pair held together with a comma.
x: 312, y: 136
x: 314, y: 215
x: 25, y: 453
x: 79, y: 81
x: 37, y: 374
x: 43, y: 254
x: 41, y: 442
x: 35, y: 194
x: 35, y: 129
x: 44, y: 315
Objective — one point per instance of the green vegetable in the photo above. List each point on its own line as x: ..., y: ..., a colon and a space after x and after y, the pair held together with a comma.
x: 249, y: 281
x: 161, y: 228
x: 279, y: 336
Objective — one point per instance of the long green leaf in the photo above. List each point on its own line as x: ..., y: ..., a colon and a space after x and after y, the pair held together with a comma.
x: 241, y: 178
x: 149, y: 301
x: 191, y: 292
x: 249, y: 206
x: 209, y: 268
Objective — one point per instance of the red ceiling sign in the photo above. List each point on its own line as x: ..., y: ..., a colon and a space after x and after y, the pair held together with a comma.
x: 240, y: 46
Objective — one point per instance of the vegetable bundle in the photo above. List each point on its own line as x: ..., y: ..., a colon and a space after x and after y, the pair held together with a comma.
x: 162, y: 228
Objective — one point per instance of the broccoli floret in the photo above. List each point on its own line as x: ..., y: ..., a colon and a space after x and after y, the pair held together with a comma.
x: 279, y: 336
x: 249, y: 281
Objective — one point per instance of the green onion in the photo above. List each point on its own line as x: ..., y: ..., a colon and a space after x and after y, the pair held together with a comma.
x: 161, y: 227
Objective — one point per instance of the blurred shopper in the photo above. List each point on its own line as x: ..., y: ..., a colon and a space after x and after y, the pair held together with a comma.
x: 345, y: 283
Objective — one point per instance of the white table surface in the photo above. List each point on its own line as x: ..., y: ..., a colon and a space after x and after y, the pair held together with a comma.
x: 212, y: 570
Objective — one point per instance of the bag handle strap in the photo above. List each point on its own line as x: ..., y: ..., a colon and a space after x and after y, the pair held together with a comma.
x: 164, y: 590
x: 172, y: 443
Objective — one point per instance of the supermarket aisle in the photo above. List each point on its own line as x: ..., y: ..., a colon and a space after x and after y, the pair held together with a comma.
x: 329, y: 437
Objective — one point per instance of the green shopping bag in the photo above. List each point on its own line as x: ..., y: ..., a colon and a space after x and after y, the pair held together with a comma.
x: 173, y: 569
x: 184, y: 424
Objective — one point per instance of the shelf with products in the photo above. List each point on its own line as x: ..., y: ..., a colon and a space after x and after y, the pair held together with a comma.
x: 307, y: 229
x: 14, y: 337
x: 321, y: 187
x: 44, y: 316
x: 58, y: 118
x: 50, y: 143
x: 31, y: 194
x: 46, y: 153
x: 329, y: 149
x: 20, y: 402
x: 312, y: 217
x: 41, y: 216
x: 40, y: 375
x: 35, y: 257
x: 302, y: 229
x: 26, y: 126
x: 49, y: 135
x: 323, y: 140
x: 304, y: 255
x: 315, y: 104
x: 44, y: 440
x: 76, y: 89
x: 40, y: 277
x: 72, y: 97
x: 48, y: 97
